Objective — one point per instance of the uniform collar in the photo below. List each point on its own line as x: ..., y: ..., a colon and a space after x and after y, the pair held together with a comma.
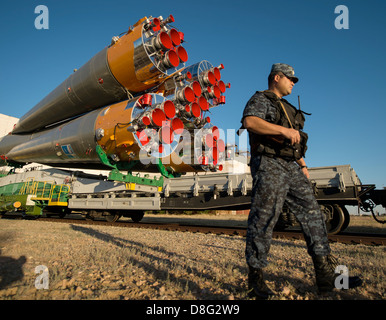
x: 270, y: 94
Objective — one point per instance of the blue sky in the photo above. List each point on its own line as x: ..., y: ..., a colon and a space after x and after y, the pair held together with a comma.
x: 342, y: 72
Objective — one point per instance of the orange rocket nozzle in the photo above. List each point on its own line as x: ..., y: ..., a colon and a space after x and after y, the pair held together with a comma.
x: 204, y: 105
x: 215, y: 133
x: 175, y: 37
x: 217, y: 73
x: 209, y: 141
x: 221, y: 145
x: 182, y: 36
x: 154, y: 24
x: 171, y: 59
x: 166, y: 134
x: 158, y: 116
x: 188, y: 94
x: 196, y: 88
x: 196, y: 110
x: 146, y: 99
x: 209, y: 78
x: 177, y: 125
x: 222, y: 86
x: 169, y: 19
x: 146, y: 121
x: 216, y: 91
x: 164, y: 41
x: 188, y: 75
x: 221, y: 100
x: 143, y: 138
x: 182, y: 54
x: 169, y: 109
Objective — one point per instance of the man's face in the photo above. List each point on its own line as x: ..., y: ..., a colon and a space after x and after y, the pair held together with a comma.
x: 284, y: 85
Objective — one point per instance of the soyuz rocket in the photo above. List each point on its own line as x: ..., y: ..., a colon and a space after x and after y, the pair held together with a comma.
x: 133, y: 105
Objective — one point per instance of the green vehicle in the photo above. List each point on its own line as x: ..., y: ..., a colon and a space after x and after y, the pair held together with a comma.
x: 31, y: 197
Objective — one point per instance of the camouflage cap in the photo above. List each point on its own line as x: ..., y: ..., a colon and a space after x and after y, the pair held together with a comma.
x: 286, y: 69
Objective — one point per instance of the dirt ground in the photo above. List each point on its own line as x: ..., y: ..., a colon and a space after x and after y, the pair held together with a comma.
x: 113, y: 263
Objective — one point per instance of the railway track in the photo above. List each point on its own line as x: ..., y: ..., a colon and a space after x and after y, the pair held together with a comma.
x: 347, y: 238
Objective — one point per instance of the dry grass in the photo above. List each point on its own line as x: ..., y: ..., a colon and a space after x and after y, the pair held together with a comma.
x: 97, y: 262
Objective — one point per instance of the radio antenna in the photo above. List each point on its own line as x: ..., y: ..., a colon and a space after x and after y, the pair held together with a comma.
x: 299, y: 102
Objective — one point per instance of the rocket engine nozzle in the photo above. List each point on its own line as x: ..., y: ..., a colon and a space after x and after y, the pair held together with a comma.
x: 170, y: 59
x: 161, y: 42
x: 168, y: 20
x: 154, y: 24
x: 157, y: 117
x: 175, y: 37
x: 182, y: 54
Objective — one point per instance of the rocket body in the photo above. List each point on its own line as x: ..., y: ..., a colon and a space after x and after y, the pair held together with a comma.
x: 136, y: 62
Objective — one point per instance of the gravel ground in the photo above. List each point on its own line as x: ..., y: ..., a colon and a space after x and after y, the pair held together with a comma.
x: 101, y: 262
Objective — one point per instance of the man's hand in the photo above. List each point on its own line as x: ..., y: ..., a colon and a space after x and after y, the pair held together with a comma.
x: 262, y: 127
x: 292, y: 135
x: 306, y: 173
x: 302, y: 164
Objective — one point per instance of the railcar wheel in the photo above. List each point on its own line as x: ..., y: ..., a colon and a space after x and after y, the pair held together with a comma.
x: 335, y: 218
x: 137, y: 216
x: 91, y: 215
x: 346, y: 218
x: 112, y: 217
x: 56, y: 211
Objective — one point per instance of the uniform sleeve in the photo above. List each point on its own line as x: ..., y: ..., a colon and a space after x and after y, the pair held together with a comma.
x: 257, y: 106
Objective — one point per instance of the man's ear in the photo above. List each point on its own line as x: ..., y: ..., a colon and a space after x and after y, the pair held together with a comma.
x: 277, y: 77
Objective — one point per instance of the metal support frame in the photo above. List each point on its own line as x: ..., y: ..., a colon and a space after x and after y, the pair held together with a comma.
x: 116, y: 175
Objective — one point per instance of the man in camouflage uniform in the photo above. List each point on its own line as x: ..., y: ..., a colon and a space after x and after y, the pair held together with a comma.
x: 280, y: 175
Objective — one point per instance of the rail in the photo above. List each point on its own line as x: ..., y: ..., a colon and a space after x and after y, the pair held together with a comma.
x: 346, y: 238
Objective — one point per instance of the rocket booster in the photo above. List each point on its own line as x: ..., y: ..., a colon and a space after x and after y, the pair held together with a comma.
x: 134, y: 131
x: 147, y: 54
x: 133, y: 105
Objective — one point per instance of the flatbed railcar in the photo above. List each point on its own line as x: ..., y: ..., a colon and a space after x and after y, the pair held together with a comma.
x: 56, y: 191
